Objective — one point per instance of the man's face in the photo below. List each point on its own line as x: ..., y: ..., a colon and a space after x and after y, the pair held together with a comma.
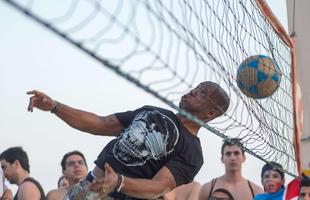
x: 75, y: 169
x: 304, y: 193
x: 272, y: 181
x: 9, y: 171
x: 232, y: 158
x: 196, y: 99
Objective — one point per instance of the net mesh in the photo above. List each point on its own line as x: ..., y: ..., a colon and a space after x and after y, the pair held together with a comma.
x: 168, y: 47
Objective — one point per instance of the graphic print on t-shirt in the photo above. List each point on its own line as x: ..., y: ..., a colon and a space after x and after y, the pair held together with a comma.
x: 151, y: 135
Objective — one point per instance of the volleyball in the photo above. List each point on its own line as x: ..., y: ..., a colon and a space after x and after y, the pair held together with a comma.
x: 258, y: 76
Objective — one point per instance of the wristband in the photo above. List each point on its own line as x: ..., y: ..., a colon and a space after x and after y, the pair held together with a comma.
x: 55, y: 108
x: 120, y: 182
x: 90, y: 176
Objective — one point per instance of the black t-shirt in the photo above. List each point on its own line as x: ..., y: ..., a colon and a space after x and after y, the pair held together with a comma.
x: 152, y: 138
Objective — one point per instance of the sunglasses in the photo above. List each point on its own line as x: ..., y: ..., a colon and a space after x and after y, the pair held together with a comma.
x: 73, y: 162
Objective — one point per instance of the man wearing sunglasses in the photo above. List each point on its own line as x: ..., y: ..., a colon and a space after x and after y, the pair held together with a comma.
x: 16, y: 169
x: 74, y: 169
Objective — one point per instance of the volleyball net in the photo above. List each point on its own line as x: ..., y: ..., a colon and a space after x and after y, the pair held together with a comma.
x: 168, y: 47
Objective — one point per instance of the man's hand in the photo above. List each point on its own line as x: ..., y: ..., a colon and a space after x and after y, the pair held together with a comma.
x: 107, y: 184
x: 111, y: 178
x: 7, y: 195
x: 40, y: 101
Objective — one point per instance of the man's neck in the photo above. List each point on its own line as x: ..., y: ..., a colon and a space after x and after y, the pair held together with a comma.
x: 232, y: 176
x: 191, y: 126
x: 73, y: 182
x: 22, y: 176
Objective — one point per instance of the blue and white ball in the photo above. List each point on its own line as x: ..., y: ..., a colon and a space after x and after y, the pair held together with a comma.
x: 258, y: 76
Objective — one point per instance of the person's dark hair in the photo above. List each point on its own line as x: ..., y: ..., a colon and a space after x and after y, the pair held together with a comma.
x: 16, y: 153
x: 305, y: 182
x: 232, y: 142
x: 64, y: 159
x: 59, y: 180
x: 273, y: 166
x: 225, y: 192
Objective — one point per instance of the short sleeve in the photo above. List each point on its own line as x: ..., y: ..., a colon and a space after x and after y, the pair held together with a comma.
x: 126, y: 118
x: 185, y: 165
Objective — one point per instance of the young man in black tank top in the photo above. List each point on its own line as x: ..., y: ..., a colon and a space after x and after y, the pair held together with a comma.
x: 233, y: 158
x: 16, y: 169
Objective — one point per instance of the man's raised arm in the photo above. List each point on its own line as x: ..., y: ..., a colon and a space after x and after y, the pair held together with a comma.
x: 78, y: 119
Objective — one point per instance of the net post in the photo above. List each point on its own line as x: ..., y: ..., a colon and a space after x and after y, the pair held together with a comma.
x: 275, y: 23
x: 296, y: 104
x: 290, y: 41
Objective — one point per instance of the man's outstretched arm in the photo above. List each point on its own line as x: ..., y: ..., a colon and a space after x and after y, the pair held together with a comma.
x: 78, y: 119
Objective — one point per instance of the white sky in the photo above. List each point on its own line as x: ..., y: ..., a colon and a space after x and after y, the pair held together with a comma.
x: 34, y: 58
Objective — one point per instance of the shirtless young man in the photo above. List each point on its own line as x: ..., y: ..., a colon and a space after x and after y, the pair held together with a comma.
x: 232, y: 157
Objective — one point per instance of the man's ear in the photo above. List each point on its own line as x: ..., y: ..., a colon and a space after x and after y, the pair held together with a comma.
x: 283, y: 181
x: 16, y: 163
x: 263, y: 184
x: 244, y: 158
x: 211, y: 114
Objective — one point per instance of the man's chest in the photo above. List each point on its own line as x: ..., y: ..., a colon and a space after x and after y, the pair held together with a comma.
x: 240, y: 191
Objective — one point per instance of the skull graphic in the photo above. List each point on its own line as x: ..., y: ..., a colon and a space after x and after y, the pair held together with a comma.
x: 151, y: 135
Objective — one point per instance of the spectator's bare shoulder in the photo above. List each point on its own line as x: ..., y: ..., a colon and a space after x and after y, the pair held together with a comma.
x: 206, y: 186
x: 205, y: 190
x: 195, y: 184
x: 256, y: 188
x: 195, y: 189
x: 28, y: 190
x: 188, y: 191
x: 56, y: 194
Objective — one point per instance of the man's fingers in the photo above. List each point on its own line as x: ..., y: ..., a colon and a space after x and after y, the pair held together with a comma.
x: 31, y: 92
x: 31, y: 103
x: 31, y: 100
x: 35, y: 92
x: 39, y: 100
x: 106, y: 165
x: 107, y: 168
x: 30, y: 108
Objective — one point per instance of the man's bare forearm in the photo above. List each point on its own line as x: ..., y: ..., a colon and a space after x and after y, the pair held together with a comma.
x: 89, y: 122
